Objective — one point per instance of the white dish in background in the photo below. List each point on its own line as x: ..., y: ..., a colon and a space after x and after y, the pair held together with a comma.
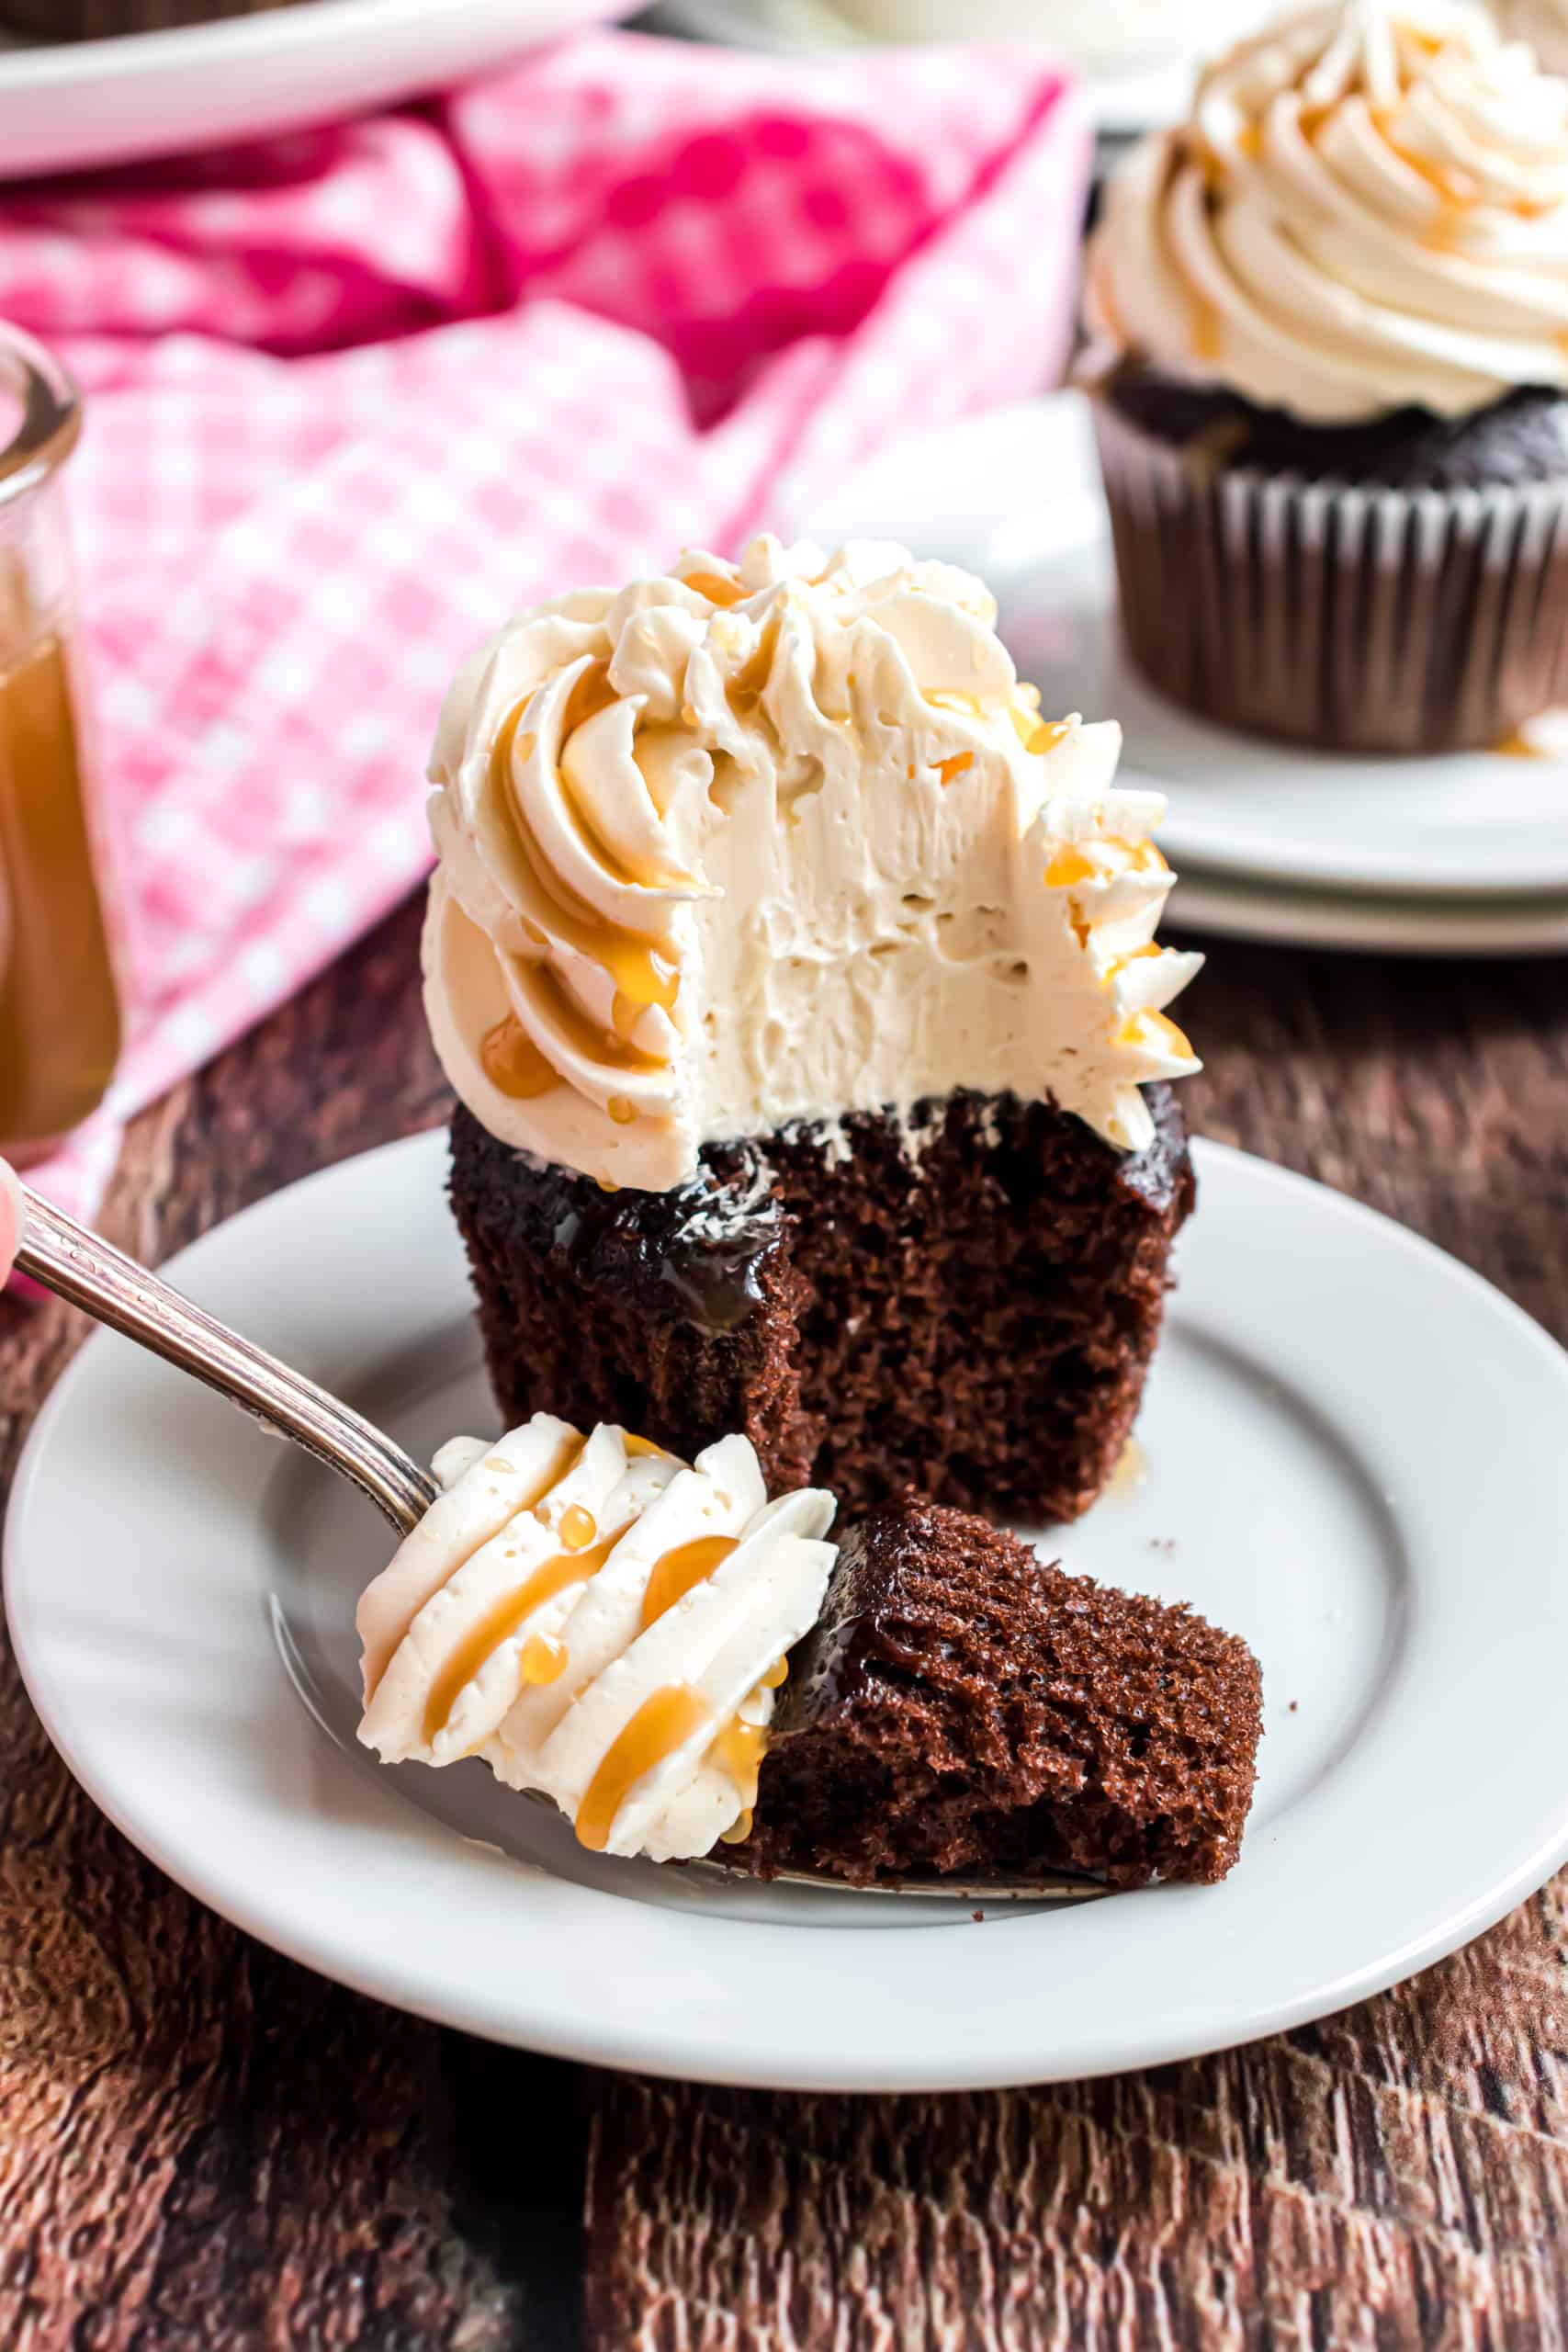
x: 1014, y: 494
x: 1125, y: 99
x: 1220, y: 907
x: 1353, y: 1458
x: 72, y: 104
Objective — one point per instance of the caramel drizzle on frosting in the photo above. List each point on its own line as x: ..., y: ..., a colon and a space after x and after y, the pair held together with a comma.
x: 664, y: 1721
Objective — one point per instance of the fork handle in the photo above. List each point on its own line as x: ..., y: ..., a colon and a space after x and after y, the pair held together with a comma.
x: 79, y: 1266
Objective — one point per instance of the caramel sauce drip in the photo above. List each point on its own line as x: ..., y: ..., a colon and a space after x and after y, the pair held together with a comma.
x: 644, y: 1445
x: 578, y: 1528
x: 957, y: 765
x: 622, y: 1110
x: 675, y: 1573
x: 1134, y: 1032
x: 1208, y: 334
x: 595, y: 1045
x: 591, y: 695
x: 1034, y: 733
x: 1069, y: 865
x: 642, y: 974
x: 59, y: 1009
x: 739, y: 1831
x: 499, y: 1623
x: 567, y: 1458
x: 1518, y: 746
x: 513, y: 1064
x: 776, y: 1675
x: 542, y: 1661
x: 714, y: 587
x: 663, y: 1722
x: 738, y: 1750
x: 747, y: 688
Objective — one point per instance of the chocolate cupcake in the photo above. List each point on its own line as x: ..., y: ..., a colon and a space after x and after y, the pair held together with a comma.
x: 800, y: 986
x: 1330, y: 317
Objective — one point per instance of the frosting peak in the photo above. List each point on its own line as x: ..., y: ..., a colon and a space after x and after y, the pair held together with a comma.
x: 771, y: 842
x: 603, y: 1624
x: 1368, y: 208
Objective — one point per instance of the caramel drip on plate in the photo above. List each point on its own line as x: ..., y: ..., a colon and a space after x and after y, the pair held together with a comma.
x: 675, y: 1573
x: 663, y: 1724
x: 513, y: 1064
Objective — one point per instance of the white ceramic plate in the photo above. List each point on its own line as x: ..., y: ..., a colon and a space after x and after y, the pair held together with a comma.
x: 1015, y: 495
x: 87, y: 102
x: 1220, y: 907
x: 1354, y: 1457
x: 1124, y: 100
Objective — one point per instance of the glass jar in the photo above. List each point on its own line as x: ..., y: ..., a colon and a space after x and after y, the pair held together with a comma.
x: 59, y: 1020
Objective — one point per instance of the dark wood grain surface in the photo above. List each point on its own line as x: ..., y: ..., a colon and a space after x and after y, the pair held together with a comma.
x: 203, y: 2146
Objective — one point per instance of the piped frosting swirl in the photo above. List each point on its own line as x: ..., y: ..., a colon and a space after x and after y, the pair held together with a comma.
x: 603, y: 1624
x: 772, y: 841
x: 1368, y: 208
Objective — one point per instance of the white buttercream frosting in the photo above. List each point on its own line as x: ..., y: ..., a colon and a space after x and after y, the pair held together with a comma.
x: 601, y: 1623
x: 768, y: 842
x: 1368, y: 208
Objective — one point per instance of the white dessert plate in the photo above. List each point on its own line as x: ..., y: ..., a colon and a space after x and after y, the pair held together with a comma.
x: 1014, y: 494
x: 1350, y: 1453
x: 70, y: 104
x: 1219, y: 906
x: 1125, y: 99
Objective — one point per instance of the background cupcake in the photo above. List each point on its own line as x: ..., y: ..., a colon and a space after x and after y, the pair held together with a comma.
x: 1330, y: 316
x: 1543, y: 23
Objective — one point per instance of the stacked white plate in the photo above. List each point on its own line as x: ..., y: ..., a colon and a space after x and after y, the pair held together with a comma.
x: 1134, y: 80
x: 1466, y: 854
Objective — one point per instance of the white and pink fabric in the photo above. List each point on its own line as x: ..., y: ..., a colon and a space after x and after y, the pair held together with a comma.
x: 357, y: 394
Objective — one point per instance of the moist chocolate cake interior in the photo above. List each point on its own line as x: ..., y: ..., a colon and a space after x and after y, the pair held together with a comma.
x: 972, y: 1318
x: 961, y: 1706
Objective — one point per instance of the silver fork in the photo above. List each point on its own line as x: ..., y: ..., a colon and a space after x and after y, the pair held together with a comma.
x: 92, y: 1274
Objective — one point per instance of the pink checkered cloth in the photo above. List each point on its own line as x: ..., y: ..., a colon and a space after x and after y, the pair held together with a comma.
x: 357, y: 394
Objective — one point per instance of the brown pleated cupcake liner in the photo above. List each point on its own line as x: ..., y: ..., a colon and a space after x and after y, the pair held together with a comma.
x: 98, y: 20
x: 1353, y: 620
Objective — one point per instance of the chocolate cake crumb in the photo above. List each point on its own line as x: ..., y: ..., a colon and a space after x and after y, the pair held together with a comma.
x: 961, y: 1706
x: 970, y: 1316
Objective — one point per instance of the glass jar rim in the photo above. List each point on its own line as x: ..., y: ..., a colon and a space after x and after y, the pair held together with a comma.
x: 51, y: 412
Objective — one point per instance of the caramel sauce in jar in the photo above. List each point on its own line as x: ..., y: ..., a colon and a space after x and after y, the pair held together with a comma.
x: 60, y: 1015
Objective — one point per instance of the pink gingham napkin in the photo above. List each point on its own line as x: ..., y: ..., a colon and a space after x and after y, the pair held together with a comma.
x: 358, y: 393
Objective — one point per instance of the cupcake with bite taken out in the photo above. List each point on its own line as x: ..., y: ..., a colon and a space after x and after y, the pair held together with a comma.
x: 800, y: 988
x: 1330, y: 377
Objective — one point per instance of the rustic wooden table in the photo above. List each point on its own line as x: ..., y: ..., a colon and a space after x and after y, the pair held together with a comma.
x: 203, y: 2146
